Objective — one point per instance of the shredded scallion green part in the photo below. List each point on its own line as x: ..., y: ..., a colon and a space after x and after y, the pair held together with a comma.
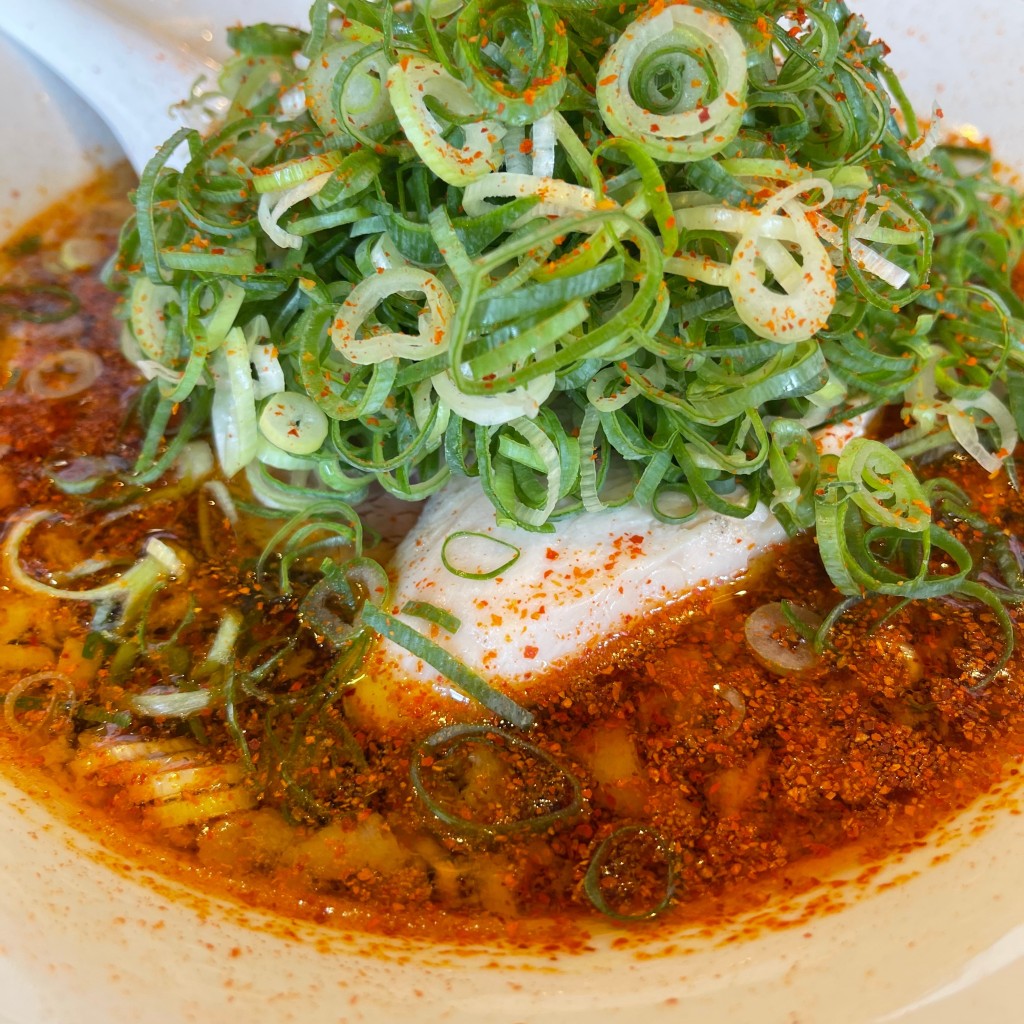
x: 433, y: 614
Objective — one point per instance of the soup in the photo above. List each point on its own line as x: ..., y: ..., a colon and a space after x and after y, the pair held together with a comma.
x: 678, y: 775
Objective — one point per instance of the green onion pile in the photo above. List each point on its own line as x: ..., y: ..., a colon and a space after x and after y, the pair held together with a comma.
x: 555, y: 245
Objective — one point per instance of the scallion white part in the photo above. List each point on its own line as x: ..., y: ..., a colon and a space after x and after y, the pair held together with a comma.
x: 176, y: 704
x: 233, y: 413
x: 274, y: 205
x: 962, y: 416
x: 294, y: 423
x: 129, y: 592
x: 808, y: 293
x: 543, y: 149
x: 492, y: 410
x: 705, y: 118
x: 557, y: 198
x: 63, y: 374
x: 63, y: 690
x: 409, y: 83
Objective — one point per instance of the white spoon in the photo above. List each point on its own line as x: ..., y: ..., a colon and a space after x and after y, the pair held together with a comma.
x: 127, y: 72
x: 133, y: 62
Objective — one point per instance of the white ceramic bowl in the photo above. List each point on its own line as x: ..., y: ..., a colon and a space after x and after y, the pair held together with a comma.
x: 935, y: 937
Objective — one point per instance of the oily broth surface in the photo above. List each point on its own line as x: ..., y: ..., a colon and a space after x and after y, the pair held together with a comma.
x: 759, y: 786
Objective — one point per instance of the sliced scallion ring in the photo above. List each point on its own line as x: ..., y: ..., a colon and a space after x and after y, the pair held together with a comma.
x: 808, y: 287
x: 617, y: 867
x: 410, y: 82
x: 429, y: 757
x: 557, y: 198
x: 324, y: 71
x: 477, y: 556
x: 433, y: 614
x: 233, y: 412
x: 703, y: 56
x: 775, y: 643
x: 148, y: 318
x: 883, y: 486
x: 281, y: 177
x: 468, y: 681
x: 58, y: 708
x: 334, y: 606
x: 63, y: 374
x: 37, y: 303
x: 519, y: 75
x: 378, y: 346
x: 293, y: 422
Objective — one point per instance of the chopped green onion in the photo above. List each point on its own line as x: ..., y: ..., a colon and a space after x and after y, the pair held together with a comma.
x: 429, y: 759
x: 780, y: 636
x: 62, y: 700
x: 37, y: 303
x: 615, y: 870
x: 474, y: 557
x: 431, y: 613
x: 465, y: 679
x: 176, y: 704
x: 355, y: 588
x: 118, y: 603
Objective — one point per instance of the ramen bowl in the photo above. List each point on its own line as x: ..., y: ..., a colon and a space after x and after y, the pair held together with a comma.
x: 930, y: 935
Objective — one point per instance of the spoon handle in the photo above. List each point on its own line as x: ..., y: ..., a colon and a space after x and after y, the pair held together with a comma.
x: 124, y: 69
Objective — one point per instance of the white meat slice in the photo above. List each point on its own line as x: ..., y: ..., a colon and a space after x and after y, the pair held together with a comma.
x: 595, y: 577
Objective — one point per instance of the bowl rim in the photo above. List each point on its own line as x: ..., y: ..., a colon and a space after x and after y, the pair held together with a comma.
x: 82, y: 931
